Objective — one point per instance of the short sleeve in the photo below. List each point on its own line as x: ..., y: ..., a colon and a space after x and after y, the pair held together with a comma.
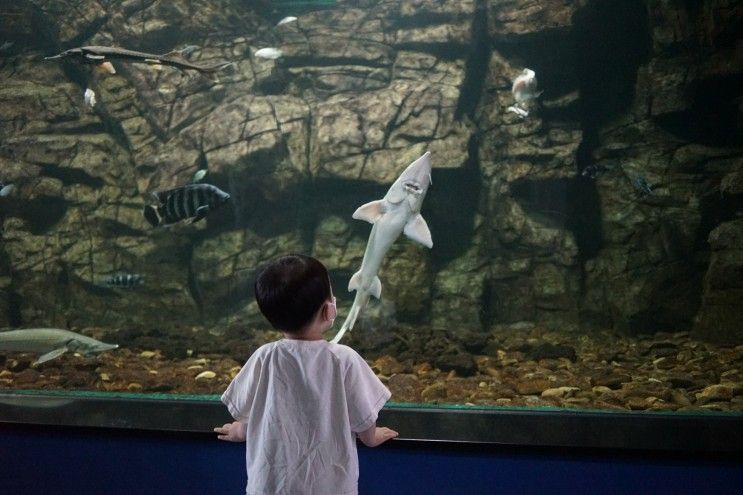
x: 241, y: 392
x: 365, y: 394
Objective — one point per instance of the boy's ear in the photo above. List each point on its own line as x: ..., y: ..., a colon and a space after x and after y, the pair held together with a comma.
x: 329, y: 311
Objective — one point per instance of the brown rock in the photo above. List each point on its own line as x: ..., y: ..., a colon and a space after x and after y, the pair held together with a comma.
x: 722, y: 391
x: 405, y: 388
x: 434, y: 392
x: 534, y: 386
x: 387, y: 365
x: 27, y: 377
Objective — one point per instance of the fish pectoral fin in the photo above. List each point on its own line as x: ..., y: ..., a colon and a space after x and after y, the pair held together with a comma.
x: 201, y: 212
x: 156, y: 63
x: 106, y: 67
x: 370, y: 212
x: 417, y: 230
x: 51, y: 355
x: 376, y: 288
x: 92, y: 56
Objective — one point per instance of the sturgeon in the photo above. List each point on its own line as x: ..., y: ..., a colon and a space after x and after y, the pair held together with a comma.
x: 398, y: 212
x: 51, y: 343
x: 103, y: 55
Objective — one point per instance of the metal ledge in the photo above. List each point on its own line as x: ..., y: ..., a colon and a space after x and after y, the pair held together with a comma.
x: 678, y: 432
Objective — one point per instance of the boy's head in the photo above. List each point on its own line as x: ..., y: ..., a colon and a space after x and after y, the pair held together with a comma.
x: 291, y: 290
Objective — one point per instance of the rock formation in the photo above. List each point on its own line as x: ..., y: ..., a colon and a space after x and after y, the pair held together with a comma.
x: 521, y: 233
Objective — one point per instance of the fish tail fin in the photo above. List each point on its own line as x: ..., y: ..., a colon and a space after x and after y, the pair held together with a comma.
x: 358, y: 304
x: 152, y: 215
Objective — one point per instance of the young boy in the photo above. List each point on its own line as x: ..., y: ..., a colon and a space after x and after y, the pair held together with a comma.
x: 300, y: 402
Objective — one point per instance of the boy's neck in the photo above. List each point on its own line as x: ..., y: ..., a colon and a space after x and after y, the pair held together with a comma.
x: 311, y: 333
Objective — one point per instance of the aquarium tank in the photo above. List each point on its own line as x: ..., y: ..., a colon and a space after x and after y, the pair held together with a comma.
x: 577, y: 243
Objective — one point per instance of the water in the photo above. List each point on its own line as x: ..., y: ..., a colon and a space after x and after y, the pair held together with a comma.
x: 586, y: 229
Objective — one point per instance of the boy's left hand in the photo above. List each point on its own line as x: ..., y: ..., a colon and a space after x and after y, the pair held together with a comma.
x: 231, y: 432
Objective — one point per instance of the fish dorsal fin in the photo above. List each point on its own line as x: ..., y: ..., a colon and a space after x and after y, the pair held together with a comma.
x: 417, y: 230
x: 370, y: 212
x: 51, y: 355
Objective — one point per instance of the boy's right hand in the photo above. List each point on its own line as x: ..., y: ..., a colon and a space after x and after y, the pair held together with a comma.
x: 231, y: 432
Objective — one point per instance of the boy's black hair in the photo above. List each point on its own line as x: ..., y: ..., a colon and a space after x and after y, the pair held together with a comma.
x: 290, y: 290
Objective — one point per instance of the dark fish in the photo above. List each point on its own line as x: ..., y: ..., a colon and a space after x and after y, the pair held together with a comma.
x: 99, y: 55
x: 125, y: 281
x: 191, y: 201
x: 594, y: 171
x: 641, y: 184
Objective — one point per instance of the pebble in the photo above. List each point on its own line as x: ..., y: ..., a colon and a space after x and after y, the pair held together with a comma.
x: 435, y: 391
x: 206, y: 375
x: 105, y: 377
x: 27, y: 376
x: 134, y: 386
x: 387, y: 365
x: 147, y: 354
x: 560, y: 392
x: 17, y: 365
x: 715, y: 393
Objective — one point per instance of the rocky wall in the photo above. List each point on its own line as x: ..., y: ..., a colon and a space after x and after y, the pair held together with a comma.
x: 522, y: 233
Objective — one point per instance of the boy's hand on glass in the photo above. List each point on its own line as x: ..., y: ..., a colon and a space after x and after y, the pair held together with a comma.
x: 231, y: 432
x: 376, y: 435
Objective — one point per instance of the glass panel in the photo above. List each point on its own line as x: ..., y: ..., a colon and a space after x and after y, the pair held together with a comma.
x: 584, y: 207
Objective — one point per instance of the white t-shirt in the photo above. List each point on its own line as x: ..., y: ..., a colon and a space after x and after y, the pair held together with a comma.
x: 303, y: 401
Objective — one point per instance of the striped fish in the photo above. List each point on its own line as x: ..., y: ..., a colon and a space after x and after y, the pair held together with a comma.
x: 125, y: 281
x: 191, y: 201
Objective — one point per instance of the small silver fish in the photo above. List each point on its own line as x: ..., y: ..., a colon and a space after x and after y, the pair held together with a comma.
x: 524, y: 88
x: 6, y: 189
x: 286, y: 20
x: 89, y: 97
x: 641, y: 184
x: 269, y: 53
x: 518, y: 111
x: 199, y: 175
x: 594, y: 171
